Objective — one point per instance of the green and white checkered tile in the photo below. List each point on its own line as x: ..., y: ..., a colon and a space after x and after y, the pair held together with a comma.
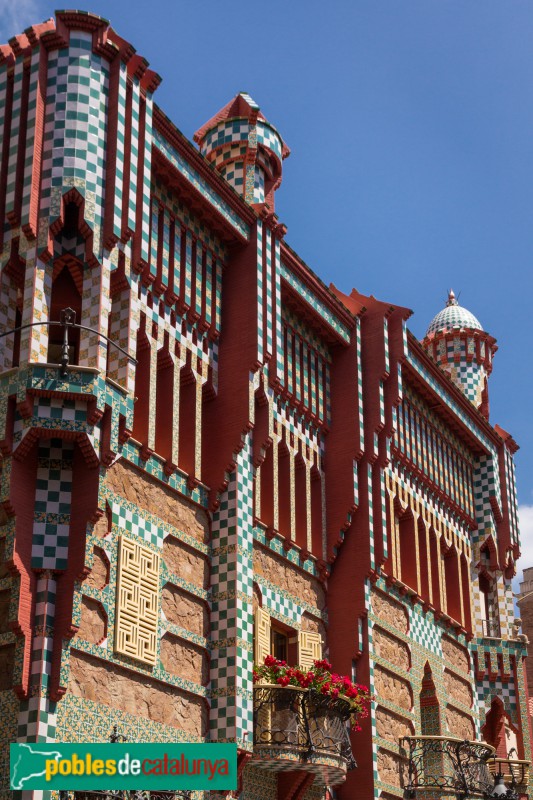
x: 135, y: 524
x: 53, y: 497
x: 488, y: 690
x: 424, y: 631
x: 278, y: 604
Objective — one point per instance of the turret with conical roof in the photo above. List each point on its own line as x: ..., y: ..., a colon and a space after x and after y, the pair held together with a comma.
x: 455, y: 339
x: 245, y: 148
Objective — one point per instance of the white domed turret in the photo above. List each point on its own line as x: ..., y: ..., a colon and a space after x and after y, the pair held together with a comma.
x: 456, y: 340
x: 453, y: 317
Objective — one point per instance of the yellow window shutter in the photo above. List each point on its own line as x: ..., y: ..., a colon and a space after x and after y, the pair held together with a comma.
x: 262, y: 635
x: 309, y: 648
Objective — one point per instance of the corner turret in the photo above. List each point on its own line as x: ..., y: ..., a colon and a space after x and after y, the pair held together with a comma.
x: 245, y: 148
x: 456, y: 340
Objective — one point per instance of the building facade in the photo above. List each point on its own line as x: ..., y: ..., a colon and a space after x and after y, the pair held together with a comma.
x: 209, y: 456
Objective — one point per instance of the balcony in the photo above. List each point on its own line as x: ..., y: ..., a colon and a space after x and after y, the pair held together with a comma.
x: 515, y: 771
x: 125, y: 795
x: 299, y: 729
x: 442, y: 764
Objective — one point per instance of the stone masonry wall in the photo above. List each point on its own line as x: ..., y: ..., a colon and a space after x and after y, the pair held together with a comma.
x: 147, y: 493
x: 119, y: 688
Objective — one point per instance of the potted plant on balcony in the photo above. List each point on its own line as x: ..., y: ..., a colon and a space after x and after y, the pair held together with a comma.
x: 320, y: 681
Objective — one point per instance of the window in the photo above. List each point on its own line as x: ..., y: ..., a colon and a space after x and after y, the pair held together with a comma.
x: 279, y: 644
x: 273, y: 638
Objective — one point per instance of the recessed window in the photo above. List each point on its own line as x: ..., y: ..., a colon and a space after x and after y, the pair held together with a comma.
x: 279, y: 642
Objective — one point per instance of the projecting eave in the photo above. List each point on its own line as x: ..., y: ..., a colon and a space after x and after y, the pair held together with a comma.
x: 456, y: 395
x: 358, y: 303
x: 187, y: 150
x: 320, y: 291
x: 507, y: 438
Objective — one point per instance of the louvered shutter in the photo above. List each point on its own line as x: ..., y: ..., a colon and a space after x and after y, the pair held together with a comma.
x: 309, y: 648
x: 261, y: 636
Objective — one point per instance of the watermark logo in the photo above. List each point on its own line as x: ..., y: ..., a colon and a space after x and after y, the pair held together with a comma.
x: 123, y: 766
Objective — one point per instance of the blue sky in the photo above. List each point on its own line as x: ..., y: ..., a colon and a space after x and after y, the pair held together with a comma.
x: 411, y: 129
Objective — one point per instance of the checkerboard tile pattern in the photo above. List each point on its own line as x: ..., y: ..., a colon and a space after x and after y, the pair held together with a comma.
x: 282, y: 607
x: 424, y: 632
x: 37, y: 715
x: 52, y: 505
x: 133, y: 521
x: 487, y: 690
x: 231, y: 609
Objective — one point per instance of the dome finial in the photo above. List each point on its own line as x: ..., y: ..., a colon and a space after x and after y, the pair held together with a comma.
x: 452, y: 301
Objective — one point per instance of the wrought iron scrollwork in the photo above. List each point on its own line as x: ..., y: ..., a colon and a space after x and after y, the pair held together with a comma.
x: 122, y: 794
x: 304, y: 722
x: 126, y: 795
x: 439, y: 763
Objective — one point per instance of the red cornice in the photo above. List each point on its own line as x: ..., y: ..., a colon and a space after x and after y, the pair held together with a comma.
x: 507, y: 438
x: 313, y: 282
x: 451, y: 389
x: 81, y: 20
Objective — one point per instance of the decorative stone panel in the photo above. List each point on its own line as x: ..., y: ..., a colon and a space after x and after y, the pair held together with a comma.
x: 131, y: 693
x: 93, y: 623
x: 185, y: 659
x: 391, y: 768
x: 391, y: 726
x: 286, y: 576
x: 99, y: 574
x: 137, y: 601
x: 185, y: 562
x: 149, y: 494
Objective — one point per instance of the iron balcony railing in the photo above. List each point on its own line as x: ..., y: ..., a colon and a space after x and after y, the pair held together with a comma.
x: 515, y: 771
x: 447, y: 765
x: 302, y: 722
x: 125, y: 795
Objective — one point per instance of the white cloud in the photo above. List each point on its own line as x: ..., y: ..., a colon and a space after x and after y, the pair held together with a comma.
x: 15, y: 15
x: 525, y: 514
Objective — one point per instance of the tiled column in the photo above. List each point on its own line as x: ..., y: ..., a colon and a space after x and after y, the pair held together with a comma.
x: 37, y: 713
x: 232, y: 615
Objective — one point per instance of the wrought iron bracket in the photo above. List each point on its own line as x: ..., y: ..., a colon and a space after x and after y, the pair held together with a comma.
x: 67, y: 320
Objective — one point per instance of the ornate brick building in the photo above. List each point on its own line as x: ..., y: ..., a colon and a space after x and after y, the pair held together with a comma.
x: 207, y: 455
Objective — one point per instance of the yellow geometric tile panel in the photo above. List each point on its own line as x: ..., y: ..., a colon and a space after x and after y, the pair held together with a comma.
x: 137, y: 603
x: 309, y: 648
x: 262, y: 635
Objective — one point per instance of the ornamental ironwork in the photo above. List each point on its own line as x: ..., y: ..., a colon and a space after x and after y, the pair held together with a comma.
x: 122, y: 794
x: 127, y: 795
x: 512, y: 772
x: 446, y: 764
x: 303, y: 722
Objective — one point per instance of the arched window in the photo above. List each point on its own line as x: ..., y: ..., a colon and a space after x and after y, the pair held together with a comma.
x: 453, y: 587
x: 489, y: 606
x: 66, y: 293
x: 408, y: 549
